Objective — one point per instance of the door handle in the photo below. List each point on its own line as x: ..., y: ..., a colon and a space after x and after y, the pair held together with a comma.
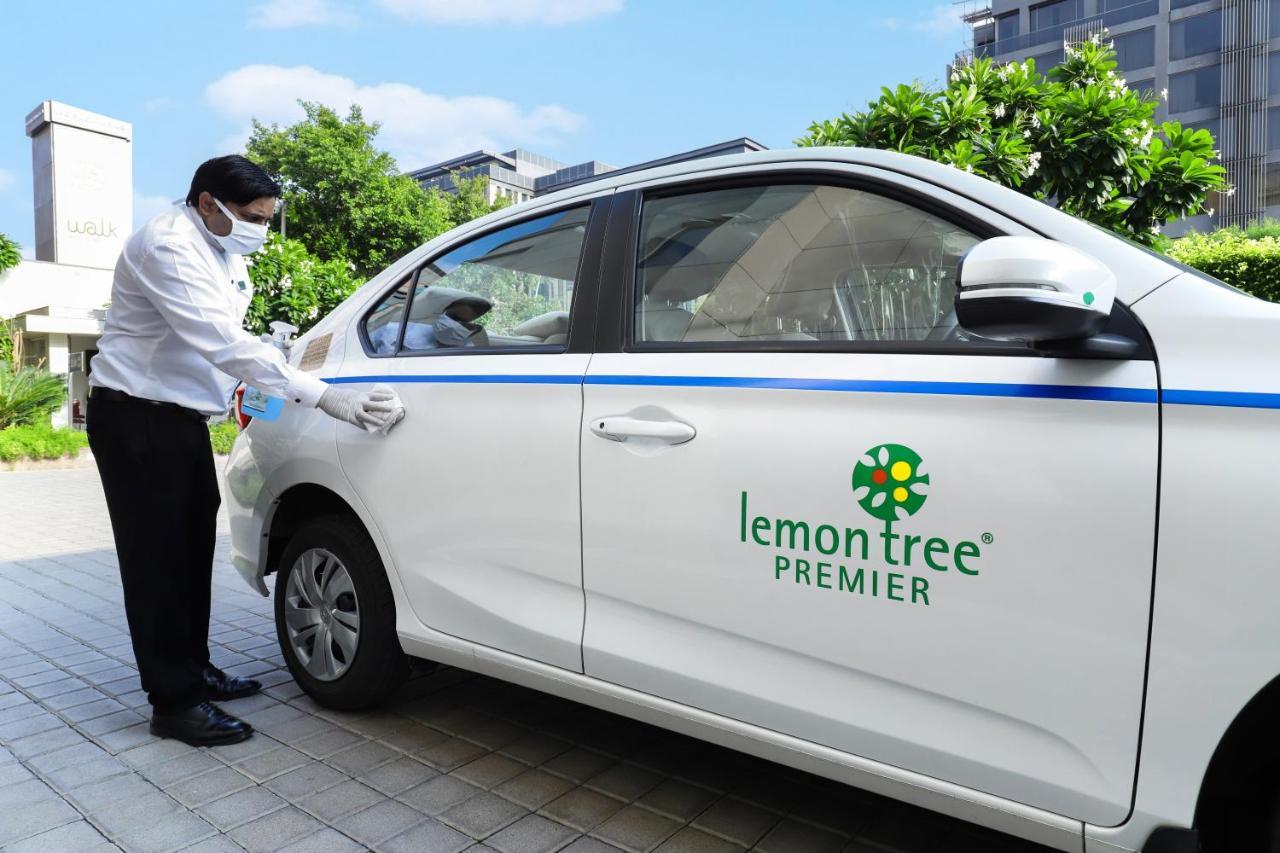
x: 622, y: 428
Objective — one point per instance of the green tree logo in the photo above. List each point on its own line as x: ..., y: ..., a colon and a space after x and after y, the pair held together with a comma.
x: 888, y: 483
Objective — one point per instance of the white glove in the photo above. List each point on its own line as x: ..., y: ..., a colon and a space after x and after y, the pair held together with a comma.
x: 384, y: 405
x: 363, y: 409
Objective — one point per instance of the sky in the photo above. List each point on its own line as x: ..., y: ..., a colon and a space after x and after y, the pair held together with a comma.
x: 619, y: 81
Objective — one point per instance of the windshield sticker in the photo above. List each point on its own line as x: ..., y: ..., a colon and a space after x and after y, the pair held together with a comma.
x: 890, y: 484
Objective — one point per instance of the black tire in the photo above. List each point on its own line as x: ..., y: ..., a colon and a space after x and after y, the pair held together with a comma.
x: 379, y: 665
x: 1246, y: 820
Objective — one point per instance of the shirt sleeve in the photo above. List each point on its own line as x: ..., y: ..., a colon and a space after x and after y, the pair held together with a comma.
x: 179, y: 286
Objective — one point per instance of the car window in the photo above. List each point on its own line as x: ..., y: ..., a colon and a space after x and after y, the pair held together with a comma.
x: 802, y: 263
x: 382, y: 325
x: 509, y: 288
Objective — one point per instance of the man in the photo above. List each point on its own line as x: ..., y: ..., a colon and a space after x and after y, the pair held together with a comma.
x: 455, y: 313
x: 171, y: 355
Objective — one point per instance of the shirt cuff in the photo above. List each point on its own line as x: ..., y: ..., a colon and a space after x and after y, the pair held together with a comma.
x: 305, y: 389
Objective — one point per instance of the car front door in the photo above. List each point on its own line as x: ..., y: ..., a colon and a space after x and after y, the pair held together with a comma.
x: 814, y: 504
x: 476, y: 492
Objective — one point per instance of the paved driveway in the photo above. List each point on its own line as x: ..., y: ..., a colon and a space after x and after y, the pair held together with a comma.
x: 457, y: 762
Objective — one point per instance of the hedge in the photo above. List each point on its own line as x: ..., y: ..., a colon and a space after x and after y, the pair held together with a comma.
x: 222, y: 435
x: 1247, y: 259
x: 39, y: 442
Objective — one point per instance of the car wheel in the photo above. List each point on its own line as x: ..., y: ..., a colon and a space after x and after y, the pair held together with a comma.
x: 335, y: 616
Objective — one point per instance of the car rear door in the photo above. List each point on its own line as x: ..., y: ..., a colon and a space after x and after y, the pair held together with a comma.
x: 813, y: 504
x: 476, y: 492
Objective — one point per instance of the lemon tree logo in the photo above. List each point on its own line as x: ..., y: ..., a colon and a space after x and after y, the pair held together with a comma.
x: 888, y: 482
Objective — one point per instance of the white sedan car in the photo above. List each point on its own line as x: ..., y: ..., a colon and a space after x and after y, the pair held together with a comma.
x: 842, y: 458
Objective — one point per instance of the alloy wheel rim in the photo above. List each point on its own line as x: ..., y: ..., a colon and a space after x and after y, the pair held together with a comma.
x: 321, y: 614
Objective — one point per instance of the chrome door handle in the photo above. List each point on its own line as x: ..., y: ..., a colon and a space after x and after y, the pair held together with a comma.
x: 622, y: 428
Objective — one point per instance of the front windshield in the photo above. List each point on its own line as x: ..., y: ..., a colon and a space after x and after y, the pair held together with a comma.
x: 1201, y: 274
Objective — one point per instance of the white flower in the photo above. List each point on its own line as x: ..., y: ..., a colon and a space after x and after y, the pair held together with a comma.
x: 1111, y: 73
x: 1164, y: 94
x: 1035, y: 120
x: 314, y: 312
x: 1155, y: 228
x: 1026, y: 134
x: 999, y: 111
x: 1146, y: 139
x: 1229, y: 192
x: 968, y: 168
x: 1209, y: 211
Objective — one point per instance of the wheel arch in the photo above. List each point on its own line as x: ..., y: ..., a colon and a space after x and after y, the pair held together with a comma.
x: 1249, y: 747
x: 295, y: 507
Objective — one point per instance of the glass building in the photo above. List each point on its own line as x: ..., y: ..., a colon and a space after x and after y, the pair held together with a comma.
x: 1218, y: 61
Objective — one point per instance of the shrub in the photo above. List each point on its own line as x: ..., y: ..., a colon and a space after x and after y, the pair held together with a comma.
x: 28, y: 395
x: 290, y: 284
x: 39, y: 442
x: 1232, y: 255
x: 10, y: 253
x: 222, y: 435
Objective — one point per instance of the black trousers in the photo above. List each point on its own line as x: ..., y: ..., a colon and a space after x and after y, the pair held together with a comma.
x: 158, y: 474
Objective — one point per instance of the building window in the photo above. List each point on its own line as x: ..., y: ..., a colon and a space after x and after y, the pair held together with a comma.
x: 1195, y: 90
x: 1007, y: 26
x: 1273, y: 73
x: 1194, y: 36
x: 1136, y: 50
x: 1273, y: 129
x: 1046, y: 61
x: 1271, y: 197
x: 1146, y: 87
x: 1182, y: 4
x: 1053, y: 14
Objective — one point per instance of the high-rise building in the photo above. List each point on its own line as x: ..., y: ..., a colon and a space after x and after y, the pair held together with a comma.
x: 1214, y: 63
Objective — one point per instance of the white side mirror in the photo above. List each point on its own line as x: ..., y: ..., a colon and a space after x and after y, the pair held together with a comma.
x: 1030, y: 289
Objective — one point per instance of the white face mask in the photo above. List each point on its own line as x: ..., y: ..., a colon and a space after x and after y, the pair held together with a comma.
x: 451, y: 333
x: 245, y: 237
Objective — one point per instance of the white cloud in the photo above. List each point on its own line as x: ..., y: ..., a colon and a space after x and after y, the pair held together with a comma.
x: 283, y: 14
x: 941, y: 21
x: 519, y: 12
x: 147, y: 206
x: 6, y: 179
x: 418, y: 127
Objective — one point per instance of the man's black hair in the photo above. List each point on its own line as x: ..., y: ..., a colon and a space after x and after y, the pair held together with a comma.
x: 232, y: 178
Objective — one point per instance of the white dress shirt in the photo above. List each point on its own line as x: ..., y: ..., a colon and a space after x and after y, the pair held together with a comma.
x: 174, y: 329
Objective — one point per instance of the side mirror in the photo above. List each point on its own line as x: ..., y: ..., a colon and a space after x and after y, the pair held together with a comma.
x: 1034, y: 290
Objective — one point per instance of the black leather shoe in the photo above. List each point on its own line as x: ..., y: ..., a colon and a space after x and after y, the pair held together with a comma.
x: 219, y: 687
x: 203, y: 725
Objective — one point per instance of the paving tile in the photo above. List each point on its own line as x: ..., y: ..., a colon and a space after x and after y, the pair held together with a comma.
x: 430, y: 836
x: 398, y: 776
x: 214, y: 844
x: 343, y: 798
x: 690, y: 840
x: 325, y: 841
x: 70, y: 698
x: 448, y: 755
x: 636, y: 829
x: 86, y: 773
x: 678, y: 800
x: 241, y: 807
x: 77, y: 836
x: 536, y: 748
x: 791, y: 835
x: 579, y: 764
x: 306, y: 780
x: 590, y: 845
x: 186, y: 764
x: 439, y: 794
x: 275, y: 830
x: 533, y: 788
x: 271, y: 764
x: 325, y: 743
x: 110, y: 722
x: 625, y: 781
x: 379, y: 822
x: 178, y: 830
x: 28, y: 726
x: 101, y: 794
x: 13, y: 772
x: 489, y: 770
x: 532, y: 834
x: 362, y: 757
x: 737, y: 821
x: 155, y: 752
x: 482, y: 815
x: 206, y: 787
x: 34, y: 818
x: 29, y: 748
x: 583, y: 809
x: 128, y: 814
x: 17, y: 796
x: 414, y: 738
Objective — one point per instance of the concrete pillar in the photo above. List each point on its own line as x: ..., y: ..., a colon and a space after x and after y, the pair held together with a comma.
x: 59, y: 364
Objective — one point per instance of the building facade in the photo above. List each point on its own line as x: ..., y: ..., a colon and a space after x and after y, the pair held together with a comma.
x: 521, y: 175
x: 1214, y: 64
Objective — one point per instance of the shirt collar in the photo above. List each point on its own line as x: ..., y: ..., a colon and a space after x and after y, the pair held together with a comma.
x: 203, y: 229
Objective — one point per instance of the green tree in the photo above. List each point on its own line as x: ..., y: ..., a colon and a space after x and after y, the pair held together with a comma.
x: 10, y: 253
x: 290, y: 284
x: 1079, y: 138
x: 344, y: 198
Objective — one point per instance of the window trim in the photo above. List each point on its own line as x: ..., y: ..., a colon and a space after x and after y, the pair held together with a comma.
x: 628, y: 256
x: 587, y: 279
